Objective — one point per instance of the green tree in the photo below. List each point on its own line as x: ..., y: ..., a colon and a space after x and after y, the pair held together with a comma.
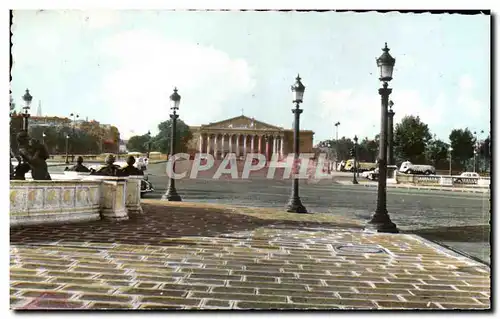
x: 485, y: 154
x: 411, y: 137
x: 368, y: 150
x: 161, y: 142
x: 462, y: 142
x: 437, y: 153
x: 138, y: 143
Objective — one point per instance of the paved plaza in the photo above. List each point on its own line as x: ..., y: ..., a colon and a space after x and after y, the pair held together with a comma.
x: 199, y: 256
x: 456, y: 219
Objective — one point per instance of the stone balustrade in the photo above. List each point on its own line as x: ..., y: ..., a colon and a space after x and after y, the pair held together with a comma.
x: 74, y: 197
x: 442, y: 180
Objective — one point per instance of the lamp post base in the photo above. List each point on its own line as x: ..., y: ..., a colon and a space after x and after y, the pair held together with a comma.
x: 171, y: 195
x: 355, y: 182
x: 381, y: 223
x: 295, y: 206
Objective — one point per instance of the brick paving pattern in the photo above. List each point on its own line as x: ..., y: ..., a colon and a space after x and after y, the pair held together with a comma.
x: 196, y: 258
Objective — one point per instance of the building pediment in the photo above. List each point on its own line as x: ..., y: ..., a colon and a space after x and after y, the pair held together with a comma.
x: 241, y: 122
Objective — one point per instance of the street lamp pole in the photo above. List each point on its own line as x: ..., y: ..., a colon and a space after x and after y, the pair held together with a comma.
x: 295, y: 204
x: 27, y: 98
x: 67, y: 143
x: 381, y: 222
x: 171, y: 194
x: 336, y: 144
x: 355, y: 167
x: 450, y: 150
x: 390, y: 138
x: 43, y: 138
x: 149, y: 145
x: 74, y: 116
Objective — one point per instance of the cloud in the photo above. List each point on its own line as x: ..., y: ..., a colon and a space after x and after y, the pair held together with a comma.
x: 148, y: 69
x: 359, y: 112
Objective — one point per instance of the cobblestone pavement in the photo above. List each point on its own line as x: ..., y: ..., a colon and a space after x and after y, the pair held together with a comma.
x: 186, y: 256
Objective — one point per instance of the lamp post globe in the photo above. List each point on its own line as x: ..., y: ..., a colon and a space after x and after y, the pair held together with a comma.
x: 381, y: 221
x: 298, y: 90
x: 27, y: 98
x: 386, y: 65
x: 171, y: 194
x: 295, y: 204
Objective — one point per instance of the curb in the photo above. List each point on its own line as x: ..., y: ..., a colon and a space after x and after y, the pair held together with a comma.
x: 451, y: 251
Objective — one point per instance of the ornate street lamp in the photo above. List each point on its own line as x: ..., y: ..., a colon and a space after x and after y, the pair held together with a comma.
x: 355, y: 162
x: 381, y: 222
x: 171, y: 194
x: 67, y: 142
x: 450, y: 150
x: 149, y: 144
x: 27, y: 98
x: 294, y: 204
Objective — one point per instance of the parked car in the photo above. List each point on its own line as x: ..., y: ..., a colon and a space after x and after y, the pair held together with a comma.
x: 410, y: 168
x: 373, y: 174
x: 467, y: 178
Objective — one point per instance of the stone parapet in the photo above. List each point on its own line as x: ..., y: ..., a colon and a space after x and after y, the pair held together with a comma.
x: 113, y: 196
x: 73, y: 198
x: 38, y: 202
x: 133, y: 197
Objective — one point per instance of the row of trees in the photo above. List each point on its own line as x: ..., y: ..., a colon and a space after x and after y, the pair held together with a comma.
x: 161, y: 141
x: 414, y: 142
x: 87, y: 138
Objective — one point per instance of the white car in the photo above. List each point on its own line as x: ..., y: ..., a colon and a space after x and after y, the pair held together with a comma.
x: 467, y: 178
x: 470, y: 174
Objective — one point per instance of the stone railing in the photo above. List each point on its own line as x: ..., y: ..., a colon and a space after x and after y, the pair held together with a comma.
x: 73, y: 197
x: 34, y: 202
x: 442, y: 180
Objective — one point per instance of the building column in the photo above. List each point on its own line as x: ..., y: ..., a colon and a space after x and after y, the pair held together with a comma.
x: 230, y: 143
x: 260, y: 143
x: 216, y: 148
x: 267, y: 149
x: 252, y: 144
x: 208, y: 144
x: 281, y: 146
x: 275, y: 145
x: 245, y: 146
x: 201, y: 143
x: 238, y: 145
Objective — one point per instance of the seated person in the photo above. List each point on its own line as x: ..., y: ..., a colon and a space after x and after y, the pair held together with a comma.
x: 79, y: 167
x: 111, y: 169
x: 142, y: 164
x: 130, y: 169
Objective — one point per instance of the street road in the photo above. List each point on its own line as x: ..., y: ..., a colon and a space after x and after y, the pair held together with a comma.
x: 457, y: 219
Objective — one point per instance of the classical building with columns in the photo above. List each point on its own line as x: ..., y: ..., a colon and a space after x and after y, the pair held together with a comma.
x: 242, y: 135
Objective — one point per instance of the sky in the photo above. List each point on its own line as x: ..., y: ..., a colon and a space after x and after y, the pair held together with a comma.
x: 120, y: 67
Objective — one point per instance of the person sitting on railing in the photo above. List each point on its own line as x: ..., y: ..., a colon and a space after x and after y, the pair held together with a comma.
x: 79, y: 167
x: 130, y: 169
x: 111, y: 169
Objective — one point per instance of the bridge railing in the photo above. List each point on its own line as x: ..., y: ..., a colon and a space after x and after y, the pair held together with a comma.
x: 443, y: 180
